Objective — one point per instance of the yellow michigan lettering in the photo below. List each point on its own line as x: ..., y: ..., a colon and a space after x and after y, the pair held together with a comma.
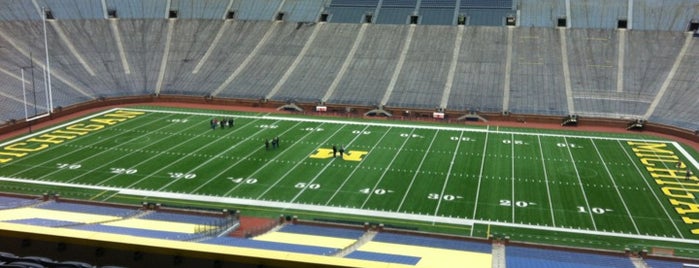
x: 325, y: 153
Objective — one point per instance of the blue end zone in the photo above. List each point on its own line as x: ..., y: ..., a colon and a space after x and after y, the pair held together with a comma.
x: 383, y: 257
x: 249, y: 243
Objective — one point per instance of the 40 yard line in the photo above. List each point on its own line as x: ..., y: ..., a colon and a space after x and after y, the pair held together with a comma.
x: 387, y: 167
x: 546, y: 179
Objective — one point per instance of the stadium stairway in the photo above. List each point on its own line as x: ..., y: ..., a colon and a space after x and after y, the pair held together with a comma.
x: 366, y: 237
x: 498, y: 255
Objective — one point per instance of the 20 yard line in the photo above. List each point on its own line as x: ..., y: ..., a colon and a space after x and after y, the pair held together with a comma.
x: 451, y: 165
x: 645, y: 180
x: 577, y: 174
x: 611, y: 178
x: 546, y: 179
x: 512, y: 156
x: 480, y: 175
x: 417, y: 171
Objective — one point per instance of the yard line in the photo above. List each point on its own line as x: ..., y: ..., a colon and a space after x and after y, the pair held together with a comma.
x: 161, y: 153
x: 94, y: 155
x: 223, y: 152
x: 388, y: 167
x: 324, y: 168
x: 577, y: 174
x: 236, y: 163
x: 417, y: 171
x: 480, y: 176
x: 615, y: 187
x: 446, y: 181
x: 54, y: 147
x: 294, y: 167
x: 512, y: 156
x: 645, y: 179
x: 355, y: 170
x: 402, y: 125
x: 546, y: 179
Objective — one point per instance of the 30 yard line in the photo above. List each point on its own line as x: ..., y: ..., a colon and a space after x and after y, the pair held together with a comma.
x: 546, y: 179
x: 577, y: 174
x: 645, y: 180
x: 480, y: 175
x: 417, y: 171
x: 215, y: 157
x: 446, y: 181
x: 163, y: 152
x: 611, y: 178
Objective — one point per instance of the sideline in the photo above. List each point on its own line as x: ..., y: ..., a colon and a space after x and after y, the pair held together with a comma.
x: 347, y: 210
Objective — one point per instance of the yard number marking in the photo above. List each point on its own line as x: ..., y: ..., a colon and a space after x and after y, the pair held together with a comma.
x: 521, y: 204
x: 180, y: 175
x: 595, y: 210
x: 243, y: 180
x: 68, y: 166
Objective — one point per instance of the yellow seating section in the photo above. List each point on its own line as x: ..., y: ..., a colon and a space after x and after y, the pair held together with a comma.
x: 28, y: 213
x: 432, y: 257
x: 304, y: 239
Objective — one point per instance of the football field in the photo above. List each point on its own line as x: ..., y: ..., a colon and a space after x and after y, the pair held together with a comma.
x: 579, y: 182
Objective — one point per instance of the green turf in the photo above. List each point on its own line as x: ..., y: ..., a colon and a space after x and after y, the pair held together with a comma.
x: 585, y: 186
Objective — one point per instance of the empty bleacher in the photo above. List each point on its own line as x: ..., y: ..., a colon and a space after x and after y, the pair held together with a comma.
x: 525, y: 257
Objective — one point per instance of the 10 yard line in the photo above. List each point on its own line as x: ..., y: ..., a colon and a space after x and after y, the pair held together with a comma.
x: 615, y: 187
x: 577, y: 174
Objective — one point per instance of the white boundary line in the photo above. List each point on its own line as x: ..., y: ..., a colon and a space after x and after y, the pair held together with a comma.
x: 345, y: 210
x: 363, y: 212
x: 512, y: 163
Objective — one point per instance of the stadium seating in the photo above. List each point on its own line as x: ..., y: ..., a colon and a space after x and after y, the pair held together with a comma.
x: 519, y: 256
x: 433, y: 242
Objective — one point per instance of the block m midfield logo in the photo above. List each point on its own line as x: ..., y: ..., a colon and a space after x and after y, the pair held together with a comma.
x: 325, y: 153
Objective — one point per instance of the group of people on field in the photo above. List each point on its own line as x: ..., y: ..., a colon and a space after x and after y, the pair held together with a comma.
x: 223, y: 122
